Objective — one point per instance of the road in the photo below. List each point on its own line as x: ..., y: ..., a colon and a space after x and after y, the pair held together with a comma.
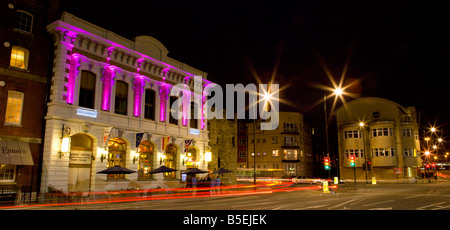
x: 427, y: 196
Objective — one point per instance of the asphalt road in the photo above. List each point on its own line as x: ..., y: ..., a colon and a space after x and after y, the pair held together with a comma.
x: 427, y: 196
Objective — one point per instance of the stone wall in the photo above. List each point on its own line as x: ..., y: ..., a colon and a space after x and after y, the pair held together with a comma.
x: 223, y: 142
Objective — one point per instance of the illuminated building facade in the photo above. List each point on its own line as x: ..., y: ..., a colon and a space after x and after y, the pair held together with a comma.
x: 382, y: 136
x: 24, y: 71
x: 110, y: 105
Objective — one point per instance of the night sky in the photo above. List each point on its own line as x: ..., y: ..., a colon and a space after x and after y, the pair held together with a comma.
x: 398, y: 51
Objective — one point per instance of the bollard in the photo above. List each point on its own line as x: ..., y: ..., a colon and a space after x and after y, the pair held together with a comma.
x: 336, y: 180
x: 325, y: 187
x: 374, y: 180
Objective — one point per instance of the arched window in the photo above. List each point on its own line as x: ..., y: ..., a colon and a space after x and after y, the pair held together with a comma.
x: 170, y: 160
x: 149, y: 107
x: 121, y: 98
x: 117, y: 152
x: 87, y: 90
x: 24, y: 21
x: 145, y: 160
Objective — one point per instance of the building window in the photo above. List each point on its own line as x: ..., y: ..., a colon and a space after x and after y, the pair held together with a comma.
x: 383, y: 152
x: 407, y: 133
x: 241, y: 154
x: 379, y: 132
x: 87, y: 90
x: 274, y: 139
x: 149, y: 105
x: 172, y: 120
x: 7, y: 173
x: 194, y: 121
x: 290, y: 141
x: 290, y: 155
x: 408, y: 152
x: 352, y: 134
x: 24, y: 21
x: 290, y: 128
x: 241, y: 141
x: 19, y: 57
x: 354, y: 152
x: 14, y: 108
x: 275, y: 153
x: 121, y: 100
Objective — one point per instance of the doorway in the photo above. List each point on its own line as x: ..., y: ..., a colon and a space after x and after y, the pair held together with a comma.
x: 80, y: 163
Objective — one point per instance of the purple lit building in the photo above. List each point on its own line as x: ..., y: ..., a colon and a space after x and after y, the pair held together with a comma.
x: 110, y: 105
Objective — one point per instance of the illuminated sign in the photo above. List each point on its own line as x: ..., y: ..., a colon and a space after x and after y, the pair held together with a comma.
x: 87, y: 112
x: 194, y: 131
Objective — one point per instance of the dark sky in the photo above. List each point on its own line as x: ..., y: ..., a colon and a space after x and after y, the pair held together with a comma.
x: 398, y: 51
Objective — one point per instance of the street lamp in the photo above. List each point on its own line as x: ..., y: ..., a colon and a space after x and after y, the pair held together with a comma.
x: 267, y: 96
x: 363, y: 127
x: 338, y: 92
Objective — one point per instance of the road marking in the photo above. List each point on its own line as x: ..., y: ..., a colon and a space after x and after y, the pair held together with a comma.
x: 431, y: 205
x: 441, y: 207
x: 412, y: 196
x: 341, y: 204
x: 253, y: 204
x: 389, y: 208
x: 311, y: 207
x: 378, y: 202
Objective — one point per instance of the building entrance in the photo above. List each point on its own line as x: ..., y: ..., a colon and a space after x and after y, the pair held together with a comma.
x: 80, y: 163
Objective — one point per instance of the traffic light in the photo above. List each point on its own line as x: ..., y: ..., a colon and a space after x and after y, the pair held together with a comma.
x: 427, y: 167
x: 369, y: 165
x: 433, y: 166
x: 352, y: 160
x: 326, y: 163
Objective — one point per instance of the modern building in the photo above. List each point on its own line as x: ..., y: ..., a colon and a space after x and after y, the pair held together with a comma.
x: 281, y: 153
x: 110, y: 104
x: 383, y: 138
x: 24, y: 76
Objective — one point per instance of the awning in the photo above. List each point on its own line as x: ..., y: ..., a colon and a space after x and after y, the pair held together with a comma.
x: 15, y: 153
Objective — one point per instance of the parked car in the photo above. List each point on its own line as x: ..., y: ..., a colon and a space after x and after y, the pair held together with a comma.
x: 304, y: 180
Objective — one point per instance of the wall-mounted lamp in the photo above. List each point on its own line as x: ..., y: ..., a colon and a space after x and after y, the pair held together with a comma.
x: 208, y: 154
x: 65, y: 141
x: 136, y: 155
x: 104, y: 154
x: 162, y: 159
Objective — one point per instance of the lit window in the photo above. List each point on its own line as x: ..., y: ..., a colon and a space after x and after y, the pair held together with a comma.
x: 19, y: 57
x: 7, y: 173
x: 14, y: 108
x: 24, y: 21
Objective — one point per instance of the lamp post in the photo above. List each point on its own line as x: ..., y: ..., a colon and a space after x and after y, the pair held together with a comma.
x: 337, y: 92
x: 363, y: 127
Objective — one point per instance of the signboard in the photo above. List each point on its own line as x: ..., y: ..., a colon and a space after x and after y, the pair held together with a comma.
x: 15, y: 153
x: 397, y: 170
x: 80, y: 157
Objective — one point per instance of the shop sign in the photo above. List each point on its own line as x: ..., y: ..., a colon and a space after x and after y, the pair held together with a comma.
x: 80, y: 157
x: 397, y: 170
